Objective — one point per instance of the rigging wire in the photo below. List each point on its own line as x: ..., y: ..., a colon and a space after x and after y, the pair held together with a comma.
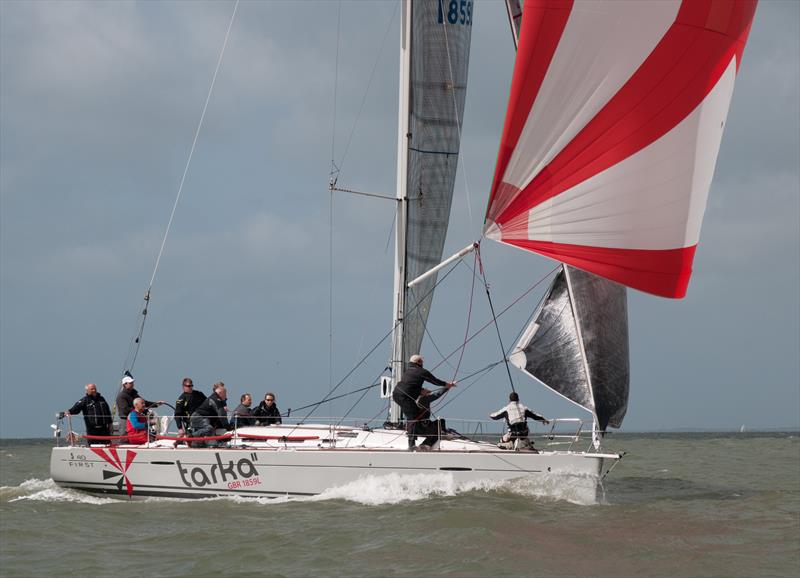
x: 494, y: 317
x: 340, y: 396
x: 355, y: 404
x: 335, y: 87
x: 502, y: 312
x: 530, y: 317
x: 366, y: 92
x: 459, y: 348
x: 334, y: 171
x: 133, y: 349
x: 438, y: 405
x: 481, y: 373
x: 371, y: 351
x: 485, y: 370
x: 130, y: 361
x: 469, y: 317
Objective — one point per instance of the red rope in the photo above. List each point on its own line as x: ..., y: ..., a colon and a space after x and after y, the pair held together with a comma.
x: 469, y: 318
x: 200, y: 439
x: 488, y: 323
x: 210, y: 438
x: 281, y: 438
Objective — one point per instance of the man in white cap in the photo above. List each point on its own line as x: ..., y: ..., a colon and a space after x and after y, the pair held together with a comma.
x: 409, y: 388
x: 125, y: 399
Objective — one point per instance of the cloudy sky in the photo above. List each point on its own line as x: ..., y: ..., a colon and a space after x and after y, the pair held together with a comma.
x: 99, y: 102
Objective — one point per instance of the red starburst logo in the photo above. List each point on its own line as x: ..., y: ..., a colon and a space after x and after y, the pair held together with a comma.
x: 112, y: 457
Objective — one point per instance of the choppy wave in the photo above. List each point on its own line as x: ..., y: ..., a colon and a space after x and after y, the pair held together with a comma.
x: 582, y: 490
x: 47, y: 491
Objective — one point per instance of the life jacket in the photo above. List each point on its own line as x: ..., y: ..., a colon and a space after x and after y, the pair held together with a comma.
x: 136, y: 435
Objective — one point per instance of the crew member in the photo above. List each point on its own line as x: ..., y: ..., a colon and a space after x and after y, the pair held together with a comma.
x: 96, y: 413
x: 432, y: 429
x: 137, y: 423
x: 188, y: 401
x: 210, y: 416
x: 409, y: 389
x: 516, y: 416
x: 242, y: 415
x: 267, y: 412
x: 125, y: 399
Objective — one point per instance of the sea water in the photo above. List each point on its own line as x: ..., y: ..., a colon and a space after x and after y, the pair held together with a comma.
x: 682, y: 504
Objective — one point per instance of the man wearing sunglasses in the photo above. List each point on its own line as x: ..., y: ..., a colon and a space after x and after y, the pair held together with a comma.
x: 189, y: 400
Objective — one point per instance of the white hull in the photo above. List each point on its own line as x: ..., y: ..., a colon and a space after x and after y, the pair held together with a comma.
x: 309, y: 466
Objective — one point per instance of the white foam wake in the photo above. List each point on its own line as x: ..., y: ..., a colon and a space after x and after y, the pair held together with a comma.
x: 47, y: 491
x: 392, y: 489
x: 396, y: 488
x: 573, y: 488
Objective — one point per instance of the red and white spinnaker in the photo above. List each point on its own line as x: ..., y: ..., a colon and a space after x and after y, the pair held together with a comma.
x: 613, y: 128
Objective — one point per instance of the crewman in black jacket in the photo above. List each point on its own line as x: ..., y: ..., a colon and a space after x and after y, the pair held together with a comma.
x: 210, y: 416
x: 267, y: 412
x: 188, y: 401
x: 409, y: 388
x: 96, y: 413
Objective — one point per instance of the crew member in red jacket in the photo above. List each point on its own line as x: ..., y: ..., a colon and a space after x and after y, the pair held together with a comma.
x: 137, y: 423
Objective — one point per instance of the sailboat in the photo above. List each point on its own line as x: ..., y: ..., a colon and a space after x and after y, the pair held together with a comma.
x: 611, y: 136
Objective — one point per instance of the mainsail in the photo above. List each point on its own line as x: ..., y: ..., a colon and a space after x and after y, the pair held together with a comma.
x: 439, y: 60
x: 612, y: 132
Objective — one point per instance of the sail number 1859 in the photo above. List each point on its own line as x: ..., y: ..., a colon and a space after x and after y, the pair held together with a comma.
x: 456, y: 11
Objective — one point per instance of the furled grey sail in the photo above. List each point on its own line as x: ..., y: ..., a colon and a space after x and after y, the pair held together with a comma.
x: 577, y: 344
x: 440, y: 43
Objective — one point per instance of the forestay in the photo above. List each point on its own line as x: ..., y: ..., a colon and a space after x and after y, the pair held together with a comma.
x: 612, y: 132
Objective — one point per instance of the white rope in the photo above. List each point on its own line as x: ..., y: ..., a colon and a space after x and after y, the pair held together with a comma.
x: 194, y: 143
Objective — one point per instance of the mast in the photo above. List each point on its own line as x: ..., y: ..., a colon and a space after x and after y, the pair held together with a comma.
x: 398, y: 308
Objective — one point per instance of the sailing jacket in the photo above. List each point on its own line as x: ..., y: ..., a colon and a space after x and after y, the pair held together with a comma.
x: 411, y: 383
x: 214, y: 412
x: 96, y: 412
x: 125, y: 402
x: 267, y: 414
x: 136, y: 428
x: 242, y: 416
x: 516, y: 415
x: 185, y: 406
